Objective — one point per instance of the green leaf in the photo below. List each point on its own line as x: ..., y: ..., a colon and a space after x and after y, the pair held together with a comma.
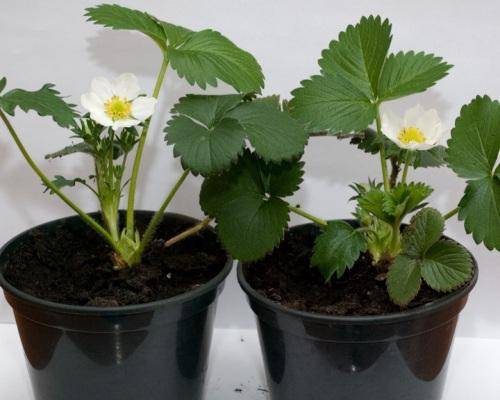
x: 408, y: 73
x: 207, y: 56
x: 403, y: 280
x: 3, y: 83
x: 60, y: 182
x: 118, y: 17
x: 75, y: 148
x: 447, y: 266
x: 360, y: 53
x: 207, y: 140
x: 245, y: 201
x: 425, y: 229
x: 472, y: 153
x: 434, y: 157
x: 331, y: 103
x: 341, y: 98
x: 273, y: 133
x: 337, y: 248
x: 405, y: 198
x: 175, y: 34
x: 373, y: 201
x: 370, y: 143
x: 45, y: 101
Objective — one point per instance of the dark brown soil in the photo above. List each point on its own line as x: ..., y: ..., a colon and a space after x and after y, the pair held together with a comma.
x: 74, y: 266
x: 285, y: 276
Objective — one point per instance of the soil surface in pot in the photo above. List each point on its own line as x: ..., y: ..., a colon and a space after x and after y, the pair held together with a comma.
x: 74, y: 266
x: 285, y: 276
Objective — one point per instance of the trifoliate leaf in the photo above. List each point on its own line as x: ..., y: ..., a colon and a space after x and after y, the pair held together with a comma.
x: 472, y: 153
x: 425, y: 229
x: 408, y: 73
x: 405, y: 198
x: 202, y: 134
x: 446, y: 266
x: 75, y: 148
x: 273, y: 133
x: 118, y: 17
x: 45, y: 101
x: 250, y: 215
x: 337, y: 248
x: 403, y: 280
x: 175, y: 34
x: 207, y: 56
x: 341, y: 98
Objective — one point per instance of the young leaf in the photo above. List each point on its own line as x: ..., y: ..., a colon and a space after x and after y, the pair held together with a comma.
x: 405, y: 198
x: 207, y: 140
x: 472, y: 153
x: 251, y: 217
x: 403, y: 280
x: 425, y: 229
x: 446, y: 266
x: 372, y: 201
x: 45, y: 101
x: 408, y: 73
x: 61, y: 182
x: 273, y: 133
x: 118, y: 17
x: 75, y: 148
x: 341, y: 98
x: 3, y: 83
x: 337, y: 248
x: 207, y: 56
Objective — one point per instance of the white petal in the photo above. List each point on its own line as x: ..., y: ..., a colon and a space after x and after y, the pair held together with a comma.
x: 91, y: 102
x: 412, y: 116
x: 101, y: 118
x: 102, y: 88
x: 143, y: 107
x: 125, y: 123
x: 391, y: 125
x: 424, y: 146
x: 126, y: 86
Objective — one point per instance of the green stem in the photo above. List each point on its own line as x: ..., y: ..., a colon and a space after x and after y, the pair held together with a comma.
x: 138, y: 155
x: 408, y: 160
x: 189, y: 232
x: 310, y: 217
x: 151, y: 229
x: 47, y: 182
x: 383, y: 162
x: 451, y: 213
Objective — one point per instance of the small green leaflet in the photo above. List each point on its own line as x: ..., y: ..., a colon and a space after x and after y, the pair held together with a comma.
x: 75, y: 148
x: 45, y: 101
x: 60, y: 182
x: 444, y: 265
x: 409, y: 73
x: 209, y: 132
x: 200, y: 57
x: 337, y: 248
x: 3, y: 83
x: 404, y: 280
x: 247, y: 205
x: 473, y: 153
x: 357, y: 74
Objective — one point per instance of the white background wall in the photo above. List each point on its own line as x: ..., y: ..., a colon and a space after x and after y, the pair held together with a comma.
x: 49, y: 41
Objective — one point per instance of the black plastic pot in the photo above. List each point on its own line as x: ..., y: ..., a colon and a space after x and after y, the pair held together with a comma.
x: 153, y: 351
x: 400, y: 356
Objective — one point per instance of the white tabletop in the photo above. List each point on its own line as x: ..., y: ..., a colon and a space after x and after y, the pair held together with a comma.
x: 236, y: 370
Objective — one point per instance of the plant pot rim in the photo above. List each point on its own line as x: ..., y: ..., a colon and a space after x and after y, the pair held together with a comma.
x: 402, y: 316
x: 110, y: 311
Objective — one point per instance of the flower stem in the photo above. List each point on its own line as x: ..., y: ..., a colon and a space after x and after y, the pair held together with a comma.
x: 451, y: 213
x: 189, y: 232
x: 408, y: 161
x: 138, y: 155
x: 383, y: 162
x: 153, y: 224
x: 310, y: 217
x: 47, y: 182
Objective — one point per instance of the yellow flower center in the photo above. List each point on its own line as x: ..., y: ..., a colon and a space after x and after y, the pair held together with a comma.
x: 118, y: 108
x: 411, y: 134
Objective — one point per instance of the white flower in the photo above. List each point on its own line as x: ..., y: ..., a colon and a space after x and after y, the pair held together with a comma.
x: 419, y: 129
x: 116, y: 103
